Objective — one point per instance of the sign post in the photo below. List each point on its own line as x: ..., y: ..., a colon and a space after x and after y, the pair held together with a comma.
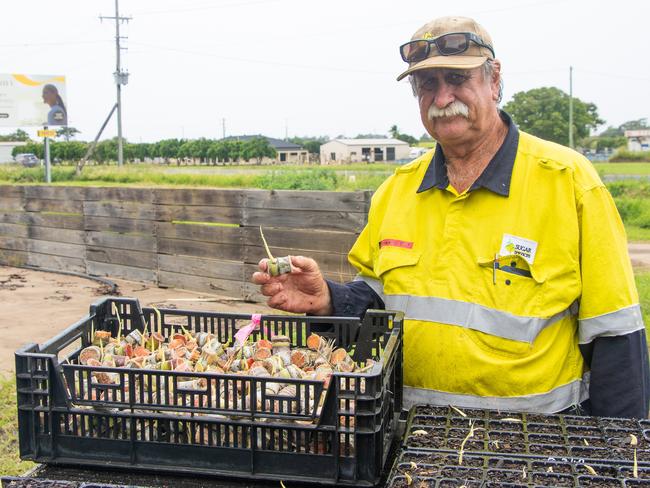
x: 48, y: 170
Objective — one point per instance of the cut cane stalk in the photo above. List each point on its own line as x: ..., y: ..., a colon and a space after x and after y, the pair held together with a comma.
x: 276, y: 266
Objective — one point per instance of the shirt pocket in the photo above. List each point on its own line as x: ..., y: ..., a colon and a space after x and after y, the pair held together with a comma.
x: 397, y: 269
x: 512, y: 292
x: 510, y: 284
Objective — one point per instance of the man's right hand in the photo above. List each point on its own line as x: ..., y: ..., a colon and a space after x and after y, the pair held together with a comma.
x: 304, y: 290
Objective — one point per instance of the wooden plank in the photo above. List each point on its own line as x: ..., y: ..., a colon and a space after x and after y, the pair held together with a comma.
x: 193, y: 266
x: 229, y: 288
x: 113, y: 224
x: 198, y: 232
x: 12, y: 203
x: 200, y: 213
x: 251, y: 293
x: 119, y: 271
x: 13, y: 258
x: 58, y: 206
x: 121, y: 209
x: 120, y: 194
x: 62, y: 263
x: 305, y: 219
x: 14, y: 217
x: 117, y: 240
x: 47, y: 192
x: 59, y: 221
x: 13, y: 243
x: 230, y: 252
x: 70, y: 236
x: 122, y: 256
x: 198, y: 196
x: 12, y: 191
x: 305, y: 200
x: 56, y: 248
x: 303, y: 239
x: 14, y: 230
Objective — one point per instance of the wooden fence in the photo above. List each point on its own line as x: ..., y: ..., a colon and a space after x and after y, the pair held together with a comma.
x: 197, y: 239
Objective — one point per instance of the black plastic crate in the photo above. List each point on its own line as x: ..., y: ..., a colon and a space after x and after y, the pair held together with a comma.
x: 213, y: 428
x: 425, y: 468
x: 592, y: 439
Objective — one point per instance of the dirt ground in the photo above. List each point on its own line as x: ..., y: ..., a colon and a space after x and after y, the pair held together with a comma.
x: 36, y: 305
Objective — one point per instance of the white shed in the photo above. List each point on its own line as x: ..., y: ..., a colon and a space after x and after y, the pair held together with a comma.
x: 5, y: 151
x: 363, y: 150
x: 638, y: 140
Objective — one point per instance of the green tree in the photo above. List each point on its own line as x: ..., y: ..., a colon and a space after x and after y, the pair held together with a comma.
x: 19, y: 135
x: 396, y: 134
x: 257, y: 148
x: 544, y: 112
x: 67, y: 132
x: 311, y: 144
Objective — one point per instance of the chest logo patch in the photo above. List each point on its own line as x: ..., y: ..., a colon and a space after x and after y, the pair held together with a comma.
x: 519, y: 246
x: 396, y: 243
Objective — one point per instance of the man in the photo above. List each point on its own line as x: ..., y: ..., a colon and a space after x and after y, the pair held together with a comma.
x: 504, y: 251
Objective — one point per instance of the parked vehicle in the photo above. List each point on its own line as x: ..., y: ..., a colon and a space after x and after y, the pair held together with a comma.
x: 28, y: 160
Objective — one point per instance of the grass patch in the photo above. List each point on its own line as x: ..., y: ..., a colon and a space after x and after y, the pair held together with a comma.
x: 637, y: 234
x: 10, y: 463
x: 641, y: 169
x: 642, y: 279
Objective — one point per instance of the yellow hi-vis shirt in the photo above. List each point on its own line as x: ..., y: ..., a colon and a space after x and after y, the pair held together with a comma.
x: 499, y: 290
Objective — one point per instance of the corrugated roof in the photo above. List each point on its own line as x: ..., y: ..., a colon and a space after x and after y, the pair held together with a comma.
x: 371, y: 142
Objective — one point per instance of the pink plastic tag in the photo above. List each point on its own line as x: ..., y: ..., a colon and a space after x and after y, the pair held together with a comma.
x: 243, y: 333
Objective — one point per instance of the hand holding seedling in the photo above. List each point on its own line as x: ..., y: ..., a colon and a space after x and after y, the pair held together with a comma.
x: 303, y: 290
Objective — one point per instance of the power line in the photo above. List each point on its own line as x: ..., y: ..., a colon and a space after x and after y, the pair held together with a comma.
x: 206, y: 7
x: 264, y: 61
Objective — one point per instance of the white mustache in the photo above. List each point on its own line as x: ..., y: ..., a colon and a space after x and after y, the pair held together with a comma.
x: 454, y: 108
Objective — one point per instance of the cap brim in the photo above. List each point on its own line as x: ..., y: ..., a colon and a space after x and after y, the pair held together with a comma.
x: 459, y: 62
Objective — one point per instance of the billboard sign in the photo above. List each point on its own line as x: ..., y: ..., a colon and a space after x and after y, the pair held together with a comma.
x: 32, y: 100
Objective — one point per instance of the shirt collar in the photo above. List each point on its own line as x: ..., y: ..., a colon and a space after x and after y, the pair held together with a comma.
x: 496, y: 175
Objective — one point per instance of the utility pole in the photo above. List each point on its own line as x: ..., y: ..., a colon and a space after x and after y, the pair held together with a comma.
x: 223, y: 127
x: 121, y: 78
x: 571, y: 107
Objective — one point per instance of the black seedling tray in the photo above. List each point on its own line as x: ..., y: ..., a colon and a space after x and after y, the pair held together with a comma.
x: 586, y: 439
x: 65, y: 417
x: 27, y: 482
x: 433, y: 469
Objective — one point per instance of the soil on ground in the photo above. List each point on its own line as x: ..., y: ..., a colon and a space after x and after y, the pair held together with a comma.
x: 37, y: 305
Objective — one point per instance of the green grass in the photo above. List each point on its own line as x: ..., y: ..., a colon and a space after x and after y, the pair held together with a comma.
x: 637, y: 234
x: 366, y: 176
x: 10, y: 463
x: 641, y: 169
x: 642, y: 279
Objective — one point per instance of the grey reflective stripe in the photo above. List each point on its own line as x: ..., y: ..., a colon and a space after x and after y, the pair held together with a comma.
x: 553, y: 401
x: 469, y: 315
x: 621, y: 322
x: 376, y: 285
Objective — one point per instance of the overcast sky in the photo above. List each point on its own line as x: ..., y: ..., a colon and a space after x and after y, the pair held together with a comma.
x: 310, y: 67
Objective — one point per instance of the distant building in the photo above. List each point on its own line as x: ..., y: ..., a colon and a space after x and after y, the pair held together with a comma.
x: 287, y: 152
x: 638, y: 140
x: 363, y: 151
x: 6, y: 148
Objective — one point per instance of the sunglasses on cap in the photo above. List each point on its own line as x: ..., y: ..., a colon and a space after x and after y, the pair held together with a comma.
x: 447, y: 45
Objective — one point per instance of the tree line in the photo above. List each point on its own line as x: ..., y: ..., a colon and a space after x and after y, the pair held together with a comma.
x: 205, y: 151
